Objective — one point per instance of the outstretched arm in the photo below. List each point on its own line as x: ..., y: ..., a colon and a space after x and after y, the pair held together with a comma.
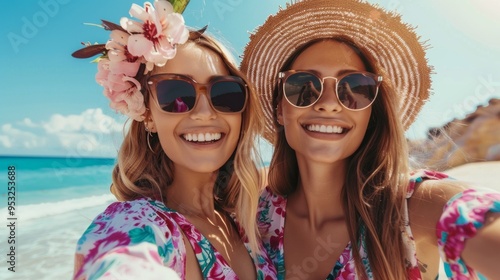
x: 129, y: 237
x: 466, y: 222
x: 129, y: 262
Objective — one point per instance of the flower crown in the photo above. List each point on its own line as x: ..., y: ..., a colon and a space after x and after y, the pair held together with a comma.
x: 151, y: 41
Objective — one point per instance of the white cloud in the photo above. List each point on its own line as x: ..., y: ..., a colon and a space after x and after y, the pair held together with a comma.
x: 28, y: 122
x: 13, y: 137
x: 4, y: 140
x: 91, y: 133
x: 91, y: 120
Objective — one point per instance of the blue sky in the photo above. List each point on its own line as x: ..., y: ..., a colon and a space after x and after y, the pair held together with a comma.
x: 51, y: 104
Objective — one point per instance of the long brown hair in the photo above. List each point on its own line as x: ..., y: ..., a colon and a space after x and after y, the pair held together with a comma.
x: 140, y: 172
x: 374, y: 192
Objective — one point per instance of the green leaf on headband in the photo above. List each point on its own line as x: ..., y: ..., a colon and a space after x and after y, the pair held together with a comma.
x: 179, y: 5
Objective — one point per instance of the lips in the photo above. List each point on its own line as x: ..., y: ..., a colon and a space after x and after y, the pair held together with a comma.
x: 202, y: 137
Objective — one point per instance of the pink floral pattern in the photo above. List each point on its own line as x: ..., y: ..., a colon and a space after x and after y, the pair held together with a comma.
x: 139, y: 261
x: 145, y: 235
x: 462, y: 217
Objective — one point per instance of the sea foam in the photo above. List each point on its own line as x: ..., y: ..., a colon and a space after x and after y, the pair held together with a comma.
x: 34, y: 211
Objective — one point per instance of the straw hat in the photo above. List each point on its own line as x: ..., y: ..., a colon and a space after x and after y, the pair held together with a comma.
x: 392, y: 43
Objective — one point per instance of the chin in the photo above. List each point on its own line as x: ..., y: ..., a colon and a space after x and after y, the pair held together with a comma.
x: 206, y: 167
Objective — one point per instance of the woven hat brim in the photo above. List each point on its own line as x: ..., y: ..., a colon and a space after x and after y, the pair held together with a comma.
x: 392, y: 43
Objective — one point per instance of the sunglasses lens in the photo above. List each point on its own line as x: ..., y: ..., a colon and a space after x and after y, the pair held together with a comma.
x: 357, y: 91
x: 228, y: 96
x: 178, y: 96
x: 175, y: 96
x: 302, y: 89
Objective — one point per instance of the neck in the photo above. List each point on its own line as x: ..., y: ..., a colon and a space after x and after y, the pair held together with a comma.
x: 318, y: 194
x: 191, y: 193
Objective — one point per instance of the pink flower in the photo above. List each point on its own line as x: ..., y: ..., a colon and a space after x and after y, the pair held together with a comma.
x: 135, y: 102
x: 125, y: 96
x: 122, y: 90
x: 118, y: 49
x: 102, y: 72
x: 117, y: 86
x: 158, y: 34
x: 124, y: 67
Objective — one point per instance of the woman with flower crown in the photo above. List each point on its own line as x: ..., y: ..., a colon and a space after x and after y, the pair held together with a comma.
x: 186, y: 177
x: 341, y: 201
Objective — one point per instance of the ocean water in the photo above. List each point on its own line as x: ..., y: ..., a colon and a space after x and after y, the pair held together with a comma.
x: 47, y: 186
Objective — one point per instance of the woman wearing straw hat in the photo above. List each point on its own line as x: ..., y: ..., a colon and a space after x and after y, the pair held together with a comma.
x: 342, y: 202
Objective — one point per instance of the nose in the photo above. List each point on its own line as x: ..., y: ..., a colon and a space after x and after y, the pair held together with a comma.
x: 203, y: 109
x: 328, y: 101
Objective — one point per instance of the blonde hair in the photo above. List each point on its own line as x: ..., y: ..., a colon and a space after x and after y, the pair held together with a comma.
x: 140, y: 172
x: 374, y: 192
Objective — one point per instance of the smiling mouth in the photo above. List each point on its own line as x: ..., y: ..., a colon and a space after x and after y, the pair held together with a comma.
x: 202, y: 137
x: 328, y: 129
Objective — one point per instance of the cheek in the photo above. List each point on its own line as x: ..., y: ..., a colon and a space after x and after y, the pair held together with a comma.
x: 167, y: 138
x: 164, y: 125
x: 235, y: 123
x: 292, y: 128
x: 288, y: 112
x: 362, y: 119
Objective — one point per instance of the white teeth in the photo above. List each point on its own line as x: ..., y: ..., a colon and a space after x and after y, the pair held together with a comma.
x: 202, y: 137
x: 325, y: 128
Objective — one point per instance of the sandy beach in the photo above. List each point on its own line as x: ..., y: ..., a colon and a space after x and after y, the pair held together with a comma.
x: 46, y: 245
x: 486, y: 174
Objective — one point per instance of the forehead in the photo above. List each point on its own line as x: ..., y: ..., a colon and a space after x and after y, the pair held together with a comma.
x: 328, y: 54
x: 195, y: 61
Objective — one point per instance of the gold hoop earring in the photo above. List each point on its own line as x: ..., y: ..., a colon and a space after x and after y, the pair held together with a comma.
x: 148, y: 136
x: 149, y: 144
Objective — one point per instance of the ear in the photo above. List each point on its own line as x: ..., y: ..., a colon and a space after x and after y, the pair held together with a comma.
x: 279, y: 114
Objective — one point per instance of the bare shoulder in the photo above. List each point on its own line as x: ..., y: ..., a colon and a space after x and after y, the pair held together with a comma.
x: 427, y: 203
x: 438, y: 192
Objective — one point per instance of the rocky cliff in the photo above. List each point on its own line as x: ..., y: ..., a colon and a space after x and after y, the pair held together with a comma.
x: 475, y: 138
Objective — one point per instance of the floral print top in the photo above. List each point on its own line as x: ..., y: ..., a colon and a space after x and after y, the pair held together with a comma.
x: 462, y: 216
x: 143, y: 236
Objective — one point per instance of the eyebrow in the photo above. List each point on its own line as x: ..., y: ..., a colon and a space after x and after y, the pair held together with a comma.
x: 345, y: 71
